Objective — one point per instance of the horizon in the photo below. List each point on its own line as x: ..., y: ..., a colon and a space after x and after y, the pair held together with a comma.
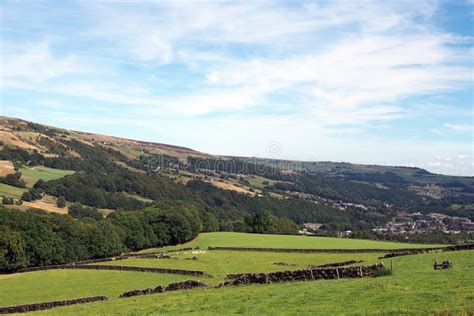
x: 307, y: 81
x: 233, y: 156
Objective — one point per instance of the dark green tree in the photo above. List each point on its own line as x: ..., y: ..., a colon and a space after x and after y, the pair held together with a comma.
x: 61, y: 202
x: 12, y: 250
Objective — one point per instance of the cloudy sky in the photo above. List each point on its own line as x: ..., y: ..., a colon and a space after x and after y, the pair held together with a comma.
x: 379, y: 82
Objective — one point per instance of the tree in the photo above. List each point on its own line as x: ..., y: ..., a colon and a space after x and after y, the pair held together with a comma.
x: 210, y: 222
x: 7, y: 200
x: 261, y: 222
x: 12, y: 250
x: 26, y: 196
x: 40, y: 184
x: 282, y: 225
x: 61, y: 202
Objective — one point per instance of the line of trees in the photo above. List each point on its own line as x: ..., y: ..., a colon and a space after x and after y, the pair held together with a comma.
x: 35, y: 238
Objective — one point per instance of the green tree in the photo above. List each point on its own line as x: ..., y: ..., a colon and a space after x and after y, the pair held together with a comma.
x: 210, y: 222
x: 261, y: 222
x: 7, y: 200
x: 61, y: 202
x: 26, y: 196
x: 12, y: 250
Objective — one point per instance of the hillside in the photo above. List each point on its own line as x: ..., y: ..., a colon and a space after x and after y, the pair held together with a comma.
x: 109, y: 173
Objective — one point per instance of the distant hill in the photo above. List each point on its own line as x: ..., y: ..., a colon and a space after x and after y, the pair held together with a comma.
x: 112, y: 173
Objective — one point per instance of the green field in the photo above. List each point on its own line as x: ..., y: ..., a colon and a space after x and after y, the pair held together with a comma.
x: 31, y: 175
x: 228, y: 239
x: 11, y: 191
x: 219, y: 263
x: 414, y: 288
x: 50, y: 285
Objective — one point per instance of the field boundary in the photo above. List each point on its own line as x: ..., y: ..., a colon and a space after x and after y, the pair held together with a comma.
x: 114, y: 268
x: 48, y: 305
x: 311, y: 274
x: 305, y: 275
x: 322, y: 250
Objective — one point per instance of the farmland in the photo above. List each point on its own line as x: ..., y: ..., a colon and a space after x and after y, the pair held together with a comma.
x: 231, y: 239
x: 31, y: 175
x: 11, y: 191
x: 413, y: 288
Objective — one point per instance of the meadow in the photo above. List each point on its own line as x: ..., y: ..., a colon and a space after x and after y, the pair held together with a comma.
x: 232, y: 239
x: 11, y: 191
x: 31, y: 175
x: 414, y: 288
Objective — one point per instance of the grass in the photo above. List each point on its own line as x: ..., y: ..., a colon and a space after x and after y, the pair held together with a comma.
x: 11, y: 191
x: 219, y: 263
x: 229, y: 239
x: 31, y: 175
x: 415, y: 288
x: 33, y: 287
x: 138, y: 197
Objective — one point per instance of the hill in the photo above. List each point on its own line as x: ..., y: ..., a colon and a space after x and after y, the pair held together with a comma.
x: 112, y: 174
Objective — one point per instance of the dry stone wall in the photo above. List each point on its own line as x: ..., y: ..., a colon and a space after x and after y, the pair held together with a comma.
x: 185, y: 285
x: 338, y: 264
x: 290, y: 250
x: 304, y: 275
x: 115, y: 268
x: 47, y: 305
x: 427, y: 250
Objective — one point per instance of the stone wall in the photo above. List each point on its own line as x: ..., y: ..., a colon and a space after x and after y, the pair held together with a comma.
x: 304, y: 275
x: 317, y: 250
x: 115, y: 268
x: 338, y: 264
x: 427, y: 250
x: 47, y: 305
x: 391, y: 252
x: 185, y: 285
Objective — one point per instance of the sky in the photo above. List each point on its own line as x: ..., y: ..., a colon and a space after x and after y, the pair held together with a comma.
x: 374, y: 82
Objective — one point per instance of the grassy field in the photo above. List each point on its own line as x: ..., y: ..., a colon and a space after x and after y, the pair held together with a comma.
x: 31, y: 175
x: 219, y: 263
x: 11, y: 191
x: 50, y: 285
x: 228, y: 239
x: 414, y: 288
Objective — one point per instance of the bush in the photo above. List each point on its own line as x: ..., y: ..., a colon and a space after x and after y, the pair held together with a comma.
x: 61, y: 202
x: 13, y: 179
x: 7, y: 200
x: 26, y: 196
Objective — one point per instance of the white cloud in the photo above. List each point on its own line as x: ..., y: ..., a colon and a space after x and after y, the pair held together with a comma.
x: 35, y: 63
x: 459, y: 127
x: 332, y: 68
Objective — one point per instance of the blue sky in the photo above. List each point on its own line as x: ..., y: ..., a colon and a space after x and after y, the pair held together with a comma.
x: 378, y: 82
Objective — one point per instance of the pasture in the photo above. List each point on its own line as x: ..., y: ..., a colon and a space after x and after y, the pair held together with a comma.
x: 413, y: 288
x: 11, y: 191
x: 31, y: 175
x: 231, y: 239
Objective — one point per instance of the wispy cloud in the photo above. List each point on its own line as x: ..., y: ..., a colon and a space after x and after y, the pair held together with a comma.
x: 332, y: 68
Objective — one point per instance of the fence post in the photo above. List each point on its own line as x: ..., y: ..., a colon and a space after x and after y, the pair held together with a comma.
x: 337, y: 272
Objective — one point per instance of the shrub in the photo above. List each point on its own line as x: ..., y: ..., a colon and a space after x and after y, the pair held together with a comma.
x: 61, y: 202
